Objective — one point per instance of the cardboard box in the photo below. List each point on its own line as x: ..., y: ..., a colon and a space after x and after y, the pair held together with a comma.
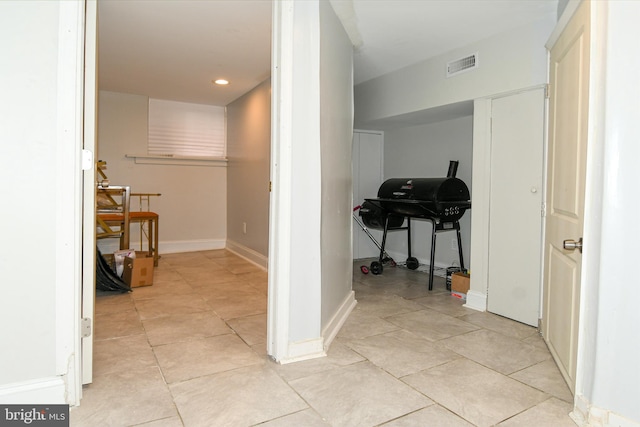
x: 460, y: 283
x: 138, y: 271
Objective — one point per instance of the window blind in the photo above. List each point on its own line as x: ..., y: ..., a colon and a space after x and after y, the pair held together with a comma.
x: 185, y: 129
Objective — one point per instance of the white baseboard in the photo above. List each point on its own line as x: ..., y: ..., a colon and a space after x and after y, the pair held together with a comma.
x: 249, y: 254
x: 585, y: 414
x: 108, y: 246
x: 335, y: 324
x: 315, y: 348
x: 616, y: 420
x: 580, y: 411
x: 476, y: 300
x: 178, y: 246
x: 439, y: 268
x: 304, y: 350
x: 50, y: 390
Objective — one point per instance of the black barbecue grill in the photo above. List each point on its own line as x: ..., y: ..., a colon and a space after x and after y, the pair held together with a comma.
x: 443, y: 201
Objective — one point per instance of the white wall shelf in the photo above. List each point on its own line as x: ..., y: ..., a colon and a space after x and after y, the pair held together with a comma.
x: 178, y: 160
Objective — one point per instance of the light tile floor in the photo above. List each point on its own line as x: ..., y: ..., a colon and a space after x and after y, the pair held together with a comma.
x: 190, y: 351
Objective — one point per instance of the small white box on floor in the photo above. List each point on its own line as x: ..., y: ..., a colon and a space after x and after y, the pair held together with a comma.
x: 459, y: 295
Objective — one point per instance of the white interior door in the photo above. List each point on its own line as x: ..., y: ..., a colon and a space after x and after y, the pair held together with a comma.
x: 367, y: 178
x: 89, y: 186
x: 515, y: 220
x: 568, y: 120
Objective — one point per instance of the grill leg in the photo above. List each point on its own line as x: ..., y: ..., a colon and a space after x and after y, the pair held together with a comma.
x: 384, y: 238
x: 412, y: 263
x: 459, y: 246
x: 409, y: 237
x: 433, y: 254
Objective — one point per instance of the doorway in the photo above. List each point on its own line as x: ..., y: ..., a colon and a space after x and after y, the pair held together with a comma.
x: 202, y: 185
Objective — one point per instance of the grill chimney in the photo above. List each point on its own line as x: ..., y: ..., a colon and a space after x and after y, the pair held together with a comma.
x: 453, y: 168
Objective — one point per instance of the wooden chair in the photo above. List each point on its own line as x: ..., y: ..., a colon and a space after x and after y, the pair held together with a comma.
x: 151, y: 220
x: 114, y: 215
x: 149, y: 227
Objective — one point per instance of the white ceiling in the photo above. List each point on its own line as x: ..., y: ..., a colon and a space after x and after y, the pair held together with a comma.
x: 173, y: 49
x: 398, y: 33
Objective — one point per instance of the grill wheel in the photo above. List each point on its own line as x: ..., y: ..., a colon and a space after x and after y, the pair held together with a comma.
x: 412, y: 263
x: 376, y: 268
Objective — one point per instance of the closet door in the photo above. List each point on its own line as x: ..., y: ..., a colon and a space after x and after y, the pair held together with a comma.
x: 515, y: 219
x: 367, y: 178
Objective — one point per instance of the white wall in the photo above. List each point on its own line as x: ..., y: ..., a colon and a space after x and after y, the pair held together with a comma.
x: 192, y: 208
x: 41, y: 109
x: 336, y: 135
x: 305, y: 258
x: 248, y: 151
x: 608, y: 379
x: 508, y: 61
x: 562, y: 5
x: 298, y: 213
x: 27, y: 155
x: 424, y: 152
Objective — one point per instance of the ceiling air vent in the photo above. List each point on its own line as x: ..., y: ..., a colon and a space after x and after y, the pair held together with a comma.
x: 462, y: 65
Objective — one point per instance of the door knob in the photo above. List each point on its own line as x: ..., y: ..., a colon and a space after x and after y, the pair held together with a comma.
x: 572, y: 245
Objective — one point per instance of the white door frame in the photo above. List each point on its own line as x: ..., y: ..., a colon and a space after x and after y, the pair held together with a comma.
x: 294, y: 330
x: 279, y: 273
x: 68, y: 211
x: 89, y: 186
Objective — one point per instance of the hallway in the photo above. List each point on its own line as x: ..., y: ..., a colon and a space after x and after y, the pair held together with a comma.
x: 191, y: 351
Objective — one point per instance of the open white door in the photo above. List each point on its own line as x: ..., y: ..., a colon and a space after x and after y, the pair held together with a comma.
x: 89, y: 191
x: 568, y: 120
x: 515, y: 220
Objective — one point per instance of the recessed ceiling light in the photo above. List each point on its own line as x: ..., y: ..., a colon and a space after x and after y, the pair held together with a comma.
x: 221, y: 82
